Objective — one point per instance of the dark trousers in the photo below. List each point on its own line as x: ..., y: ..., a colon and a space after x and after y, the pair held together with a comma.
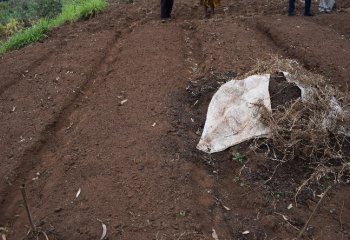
x: 292, y: 7
x: 166, y: 6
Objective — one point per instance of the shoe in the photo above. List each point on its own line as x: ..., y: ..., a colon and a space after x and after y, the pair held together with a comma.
x: 163, y: 20
x: 308, y: 15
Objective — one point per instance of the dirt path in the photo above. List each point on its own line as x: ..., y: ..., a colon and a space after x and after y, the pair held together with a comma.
x: 102, y: 106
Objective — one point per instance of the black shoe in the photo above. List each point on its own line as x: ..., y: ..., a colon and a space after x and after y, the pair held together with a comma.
x: 308, y: 15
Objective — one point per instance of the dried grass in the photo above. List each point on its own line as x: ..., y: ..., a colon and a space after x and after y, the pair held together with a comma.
x: 312, y: 131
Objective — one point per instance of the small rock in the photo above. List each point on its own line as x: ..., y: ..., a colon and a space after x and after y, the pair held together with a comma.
x: 57, y: 210
x: 141, y: 167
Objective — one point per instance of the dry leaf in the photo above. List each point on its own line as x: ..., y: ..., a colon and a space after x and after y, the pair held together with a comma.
x: 154, y: 124
x: 245, y: 232
x: 290, y: 206
x: 78, y: 193
x: 214, y: 235
x: 104, y: 231
x: 227, y: 208
x: 45, y: 235
x: 124, y: 101
x: 320, y: 195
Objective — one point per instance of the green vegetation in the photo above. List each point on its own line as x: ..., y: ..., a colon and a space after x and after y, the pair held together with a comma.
x: 29, y: 10
x: 41, y: 20
x: 183, y: 213
x: 11, y: 27
x: 79, y: 10
x: 237, y: 157
x: 241, y: 182
x: 331, y: 210
x: 33, y: 34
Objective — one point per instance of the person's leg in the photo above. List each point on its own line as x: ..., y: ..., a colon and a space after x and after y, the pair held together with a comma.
x: 163, y: 7
x: 291, y: 8
x: 204, y: 3
x: 170, y: 8
x: 307, y: 8
x: 330, y: 5
x: 322, y: 6
x: 212, y: 7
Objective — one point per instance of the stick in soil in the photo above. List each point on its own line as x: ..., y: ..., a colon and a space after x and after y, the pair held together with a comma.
x: 24, y: 195
x: 312, y: 214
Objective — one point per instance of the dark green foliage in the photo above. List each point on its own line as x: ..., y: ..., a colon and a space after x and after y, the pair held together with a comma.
x: 72, y: 10
x: 25, y: 37
x: 46, y: 8
x: 29, y: 10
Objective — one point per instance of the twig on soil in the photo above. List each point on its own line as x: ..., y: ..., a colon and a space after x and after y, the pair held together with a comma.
x: 184, y: 234
x: 243, y: 167
x: 313, y: 213
x: 45, y: 235
x: 69, y: 127
x: 340, y: 217
x: 33, y: 229
x: 24, y: 196
x: 286, y: 219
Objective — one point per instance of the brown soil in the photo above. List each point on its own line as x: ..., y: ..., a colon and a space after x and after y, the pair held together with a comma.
x: 282, y: 93
x: 64, y: 125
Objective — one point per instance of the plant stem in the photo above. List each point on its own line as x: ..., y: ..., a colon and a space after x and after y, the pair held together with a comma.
x: 24, y: 195
x: 312, y: 214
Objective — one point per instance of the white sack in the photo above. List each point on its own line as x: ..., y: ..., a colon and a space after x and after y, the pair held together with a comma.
x: 326, y: 5
x: 232, y: 117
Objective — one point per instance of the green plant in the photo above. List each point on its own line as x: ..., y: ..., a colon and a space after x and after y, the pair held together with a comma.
x: 72, y: 11
x: 236, y: 179
x: 3, y: 6
x: 27, y: 10
x: 12, y: 27
x: 238, y: 157
x: 2, y: 30
x: 240, y: 182
x: 25, y: 37
x: 199, y: 131
x: 47, y: 8
x: 5, y: 12
x: 331, y: 210
x: 183, y: 213
x: 91, y: 8
x: 277, y: 195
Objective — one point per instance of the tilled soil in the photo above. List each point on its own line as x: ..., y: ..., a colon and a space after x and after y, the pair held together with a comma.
x: 105, y: 107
